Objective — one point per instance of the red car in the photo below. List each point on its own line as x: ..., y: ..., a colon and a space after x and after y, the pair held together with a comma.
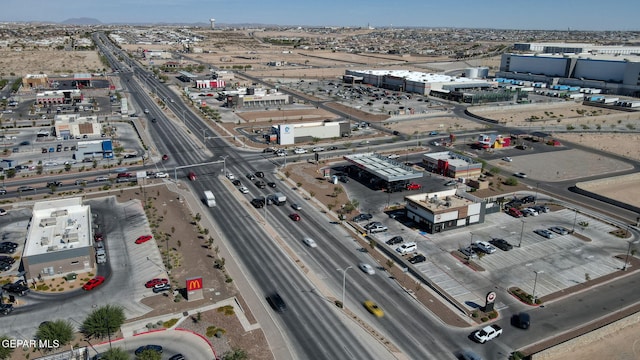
x: 414, y: 186
x: 93, y: 283
x: 153, y: 282
x: 192, y: 176
x: 143, y: 239
x: 294, y: 217
x: 98, y: 237
x: 165, y: 157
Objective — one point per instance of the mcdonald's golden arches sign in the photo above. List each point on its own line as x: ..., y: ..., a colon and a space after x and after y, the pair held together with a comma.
x: 194, y: 284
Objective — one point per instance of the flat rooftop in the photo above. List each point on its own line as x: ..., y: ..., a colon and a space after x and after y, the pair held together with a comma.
x: 452, y: 158
x: 418, y: 76
x: 58, y: 225
x: 383, y: 167
x: 439, y: 202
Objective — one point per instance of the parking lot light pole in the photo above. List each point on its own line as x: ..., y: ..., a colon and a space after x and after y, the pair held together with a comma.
x: 574, y: 221
x: 344, y: 281
x: 626, y: 260
x: 521, y: 233
x: 535, y: 199
x: 535, y: 282
x: 471, y: 242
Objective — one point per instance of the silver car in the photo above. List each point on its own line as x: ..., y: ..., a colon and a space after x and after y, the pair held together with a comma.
x: 366, y: 268
x: 545, y: 233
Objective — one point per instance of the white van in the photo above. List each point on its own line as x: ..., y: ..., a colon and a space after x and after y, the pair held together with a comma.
x: 406, y: 248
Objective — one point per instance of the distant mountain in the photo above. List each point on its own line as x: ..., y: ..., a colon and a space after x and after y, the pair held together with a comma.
x: 82, y: 21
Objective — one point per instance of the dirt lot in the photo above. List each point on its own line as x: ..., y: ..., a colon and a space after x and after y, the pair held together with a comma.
x: 48, y: 62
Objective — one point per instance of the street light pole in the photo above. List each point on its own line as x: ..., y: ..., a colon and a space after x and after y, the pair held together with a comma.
x: 535, y: 282
x: 344, y: 281
x: 521, y: 233
x: 224, y: 163
x: 626, y: 260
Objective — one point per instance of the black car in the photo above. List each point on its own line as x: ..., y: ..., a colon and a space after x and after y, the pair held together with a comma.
x: 332, y: 148
x: 261, y: 184
x: 177, y: 357
x: 7, y: 259
x: 271, y: 184
x: 528, y: 199
x: 501, y: 244
x: 521, y: 320
x: 7, y: 249
x: 141, y: 349
x: 236, y: 182
x: 362, y: 217
x: 5, y: 309
x: 5, y: 266
x: 395, y: 240
x: 251, y: 177
x: 259, y: 174
x: 418, y: 259
x: 26, y: 188
x: 3, y: 191
x: 54, y: 183
x: 9, y: 244
x: 276, y: 302
x: 16, y: 288
x: 257, y: 203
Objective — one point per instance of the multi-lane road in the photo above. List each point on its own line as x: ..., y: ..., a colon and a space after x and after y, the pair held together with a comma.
x: 273, y: 257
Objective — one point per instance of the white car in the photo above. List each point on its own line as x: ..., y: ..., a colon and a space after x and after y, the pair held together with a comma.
x: 366, y: 268
x: 161, y: 175
x: 300, y: 151
x: 230, y: 176
x: 309, y: 242
x: 507, y: 159
x: 243, y: 190
x: 520, y: 175
x: 393, y: 156
x: 485, y: 247
x: 318, y: 149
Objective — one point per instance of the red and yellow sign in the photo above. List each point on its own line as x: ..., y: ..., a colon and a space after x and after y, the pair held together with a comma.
x: 194, y: 284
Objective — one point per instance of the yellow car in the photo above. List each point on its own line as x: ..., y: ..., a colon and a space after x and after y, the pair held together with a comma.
x: 373, y: 308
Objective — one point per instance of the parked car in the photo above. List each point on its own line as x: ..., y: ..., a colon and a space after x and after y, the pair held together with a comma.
x: 373, y: 308
x: 528, y: 199
x: 559, y: 230
x: 395, y: 240
x: 143, y: 239
x: 377, y: 229
x: 529, y: 212
x: 541, y: 208
x: 544, y: 233
x: 366, y: 268
x: 515, y: 212
x: 362, y: 217
x: 468, y: 252
x: 309, y: 242
x: 153, y: 282
x: 6, y: 309
x: 485, y: 247
x: 93, y: 283
x: 372, y: 224
x: 414, y: 186
x: 418, y: 259
x: 501, y: 244
x: 158, y: 288
x: 451, y: 183
x: 407, y: 248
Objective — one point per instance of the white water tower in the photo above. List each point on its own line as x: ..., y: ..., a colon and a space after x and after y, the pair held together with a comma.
x: 213, y: 23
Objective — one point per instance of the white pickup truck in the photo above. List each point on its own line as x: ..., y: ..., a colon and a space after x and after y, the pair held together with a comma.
x: 487, y: 333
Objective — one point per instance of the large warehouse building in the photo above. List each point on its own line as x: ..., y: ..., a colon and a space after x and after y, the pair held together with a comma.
x: 616, y: 74
x: 59, y: 240
x: 414, y: 81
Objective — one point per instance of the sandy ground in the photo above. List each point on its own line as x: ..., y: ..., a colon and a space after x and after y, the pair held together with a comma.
x: 49, y: 62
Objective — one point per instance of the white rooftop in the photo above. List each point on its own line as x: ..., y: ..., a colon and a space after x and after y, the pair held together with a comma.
x: 417, y: 76
x: 57, y: 225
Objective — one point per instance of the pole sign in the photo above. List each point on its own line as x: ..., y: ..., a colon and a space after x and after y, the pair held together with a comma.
x: 194, y: 288
x: 490, y: 299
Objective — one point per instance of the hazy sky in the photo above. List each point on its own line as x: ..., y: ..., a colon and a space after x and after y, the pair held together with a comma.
x: 501, y: 14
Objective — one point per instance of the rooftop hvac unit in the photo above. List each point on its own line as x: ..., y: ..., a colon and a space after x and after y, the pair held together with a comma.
x: 47, y: 222
x: 44, y: 241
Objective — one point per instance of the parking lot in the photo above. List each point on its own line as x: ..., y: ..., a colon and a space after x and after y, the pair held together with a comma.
x: 561, y: 262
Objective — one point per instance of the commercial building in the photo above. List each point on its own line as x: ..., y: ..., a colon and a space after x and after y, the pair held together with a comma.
x: 59, y: 97
x: 289, y: 134
x: 453, y: 165
x: 35, y: 81
x: 380, y: 171
x: 258, y: 98
x: 414, y: 81
x: 444, y: 210
x: 59, y: 239
x: 89, y: 150
x: 616, y: 74
x: 70, y: 126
